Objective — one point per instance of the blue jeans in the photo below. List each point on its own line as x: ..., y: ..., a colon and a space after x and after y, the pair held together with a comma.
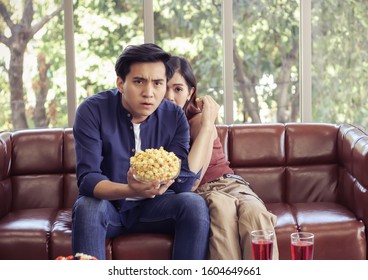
x: 185, y: 214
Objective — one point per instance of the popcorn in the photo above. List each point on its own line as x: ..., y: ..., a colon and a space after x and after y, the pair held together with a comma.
x: 155, y: 165
x: 78, y: 256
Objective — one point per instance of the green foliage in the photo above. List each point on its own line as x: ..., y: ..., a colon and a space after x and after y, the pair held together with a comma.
x: 193, y: 29
x: 102, y: 30
x: 340, y: 62
x: 265, y: 32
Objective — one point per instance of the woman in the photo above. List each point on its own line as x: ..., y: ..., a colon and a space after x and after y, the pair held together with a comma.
x: 235, y: 209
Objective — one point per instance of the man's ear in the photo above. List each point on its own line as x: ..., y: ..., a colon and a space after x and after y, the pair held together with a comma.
x: 119, y: 84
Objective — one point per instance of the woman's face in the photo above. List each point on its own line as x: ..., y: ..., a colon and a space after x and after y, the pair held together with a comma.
x: 177, y: 90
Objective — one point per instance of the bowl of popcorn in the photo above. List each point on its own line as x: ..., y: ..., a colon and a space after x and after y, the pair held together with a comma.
x: 155, y: 165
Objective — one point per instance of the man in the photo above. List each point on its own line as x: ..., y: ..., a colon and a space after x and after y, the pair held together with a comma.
x: 109, y: 128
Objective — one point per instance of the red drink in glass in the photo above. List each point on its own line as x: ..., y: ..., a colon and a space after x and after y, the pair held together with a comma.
x: 302, y: 250
x: 302, y: 245
x: 262, y: 249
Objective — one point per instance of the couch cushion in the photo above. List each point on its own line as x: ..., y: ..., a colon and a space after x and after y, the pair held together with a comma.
x: 5, y: 197
x: 5, y: 154
x: 333, y: 220
x: 325, y: 220
x: 256, y: 145
x: 152, y: 246
x: 61, y: 235
x: 37, y: 191
x: 25, y: 234
x: 311, y: 144
x: 70, y: 190
x: 286, y: 224
x: 68, y: 151
x: 37, y: 152
x: 267, y: 182
x: 312, y: 183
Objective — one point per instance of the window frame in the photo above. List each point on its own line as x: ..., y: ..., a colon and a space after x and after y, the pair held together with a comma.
x: 305, y: 56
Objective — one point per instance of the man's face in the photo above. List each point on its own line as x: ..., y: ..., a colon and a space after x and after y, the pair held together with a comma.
x: 143, y: 89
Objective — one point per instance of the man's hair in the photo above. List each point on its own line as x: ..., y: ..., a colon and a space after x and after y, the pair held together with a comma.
x: 141, y: 53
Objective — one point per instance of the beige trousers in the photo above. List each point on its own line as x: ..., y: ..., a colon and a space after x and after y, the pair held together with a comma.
x: 235, y: 210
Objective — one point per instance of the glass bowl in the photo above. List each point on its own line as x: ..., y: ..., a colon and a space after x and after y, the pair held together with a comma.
x: 161, y: 179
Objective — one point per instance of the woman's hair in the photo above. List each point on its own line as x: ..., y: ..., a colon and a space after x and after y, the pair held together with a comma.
x: 182, y: 66
x: 141, y: 53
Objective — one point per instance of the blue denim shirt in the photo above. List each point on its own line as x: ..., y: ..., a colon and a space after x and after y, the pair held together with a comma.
x: 104, y: 140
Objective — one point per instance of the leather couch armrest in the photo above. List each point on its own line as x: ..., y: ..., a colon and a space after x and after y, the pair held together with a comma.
x: 353, y: 160
x: 5, y: 182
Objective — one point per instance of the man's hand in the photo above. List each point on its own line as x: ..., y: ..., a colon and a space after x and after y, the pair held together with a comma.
x: 146, y: 190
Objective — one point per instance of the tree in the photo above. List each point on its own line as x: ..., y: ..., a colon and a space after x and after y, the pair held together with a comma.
x: 266, y: 58
x: 340, y: 61
x: 21, y: 33
x: 41, y: 87
x: 266, y: 42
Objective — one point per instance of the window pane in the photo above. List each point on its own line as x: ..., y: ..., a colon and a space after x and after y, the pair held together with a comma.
x: 102, y: 30
x: 193, y: 29
x: 266, y: 61
x: 32, y: 78
x: 340, y: 62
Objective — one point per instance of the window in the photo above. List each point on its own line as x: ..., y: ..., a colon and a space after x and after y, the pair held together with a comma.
x: 32, y: 80
x: 266, y: 61
x: 193, y: 29
x: 102, y: 30
x: 265, y: 45
x: 340, y: 62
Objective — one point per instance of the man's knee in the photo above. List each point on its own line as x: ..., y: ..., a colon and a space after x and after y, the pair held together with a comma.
x: 194, y: 206
x: 89, y: 206
x: 193, y: 200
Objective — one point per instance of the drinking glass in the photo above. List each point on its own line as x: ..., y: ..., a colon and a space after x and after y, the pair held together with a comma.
x: 262, y: 244
x: 302, y: 245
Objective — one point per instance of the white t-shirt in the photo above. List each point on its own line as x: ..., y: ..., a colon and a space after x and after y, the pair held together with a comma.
x: 137, y: 138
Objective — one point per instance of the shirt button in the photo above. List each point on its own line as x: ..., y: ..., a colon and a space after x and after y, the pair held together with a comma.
x: 128, y: 115
x: 133, y: 150
x: 131, y: 128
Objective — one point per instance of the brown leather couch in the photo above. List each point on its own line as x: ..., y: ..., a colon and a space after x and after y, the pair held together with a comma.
x: 314, y: 177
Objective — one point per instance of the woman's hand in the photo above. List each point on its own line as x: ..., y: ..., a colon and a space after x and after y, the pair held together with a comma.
x: 210, y: 110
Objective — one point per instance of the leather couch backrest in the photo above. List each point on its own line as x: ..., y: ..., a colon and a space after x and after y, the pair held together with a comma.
x: 42, y: 169
x: 287, y: 162
x: 352, y: 143
x: 5, y: 182
x: 37, y: 169
x: 353, y: 179
x: 70, y: 180
x: 283, y: 162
